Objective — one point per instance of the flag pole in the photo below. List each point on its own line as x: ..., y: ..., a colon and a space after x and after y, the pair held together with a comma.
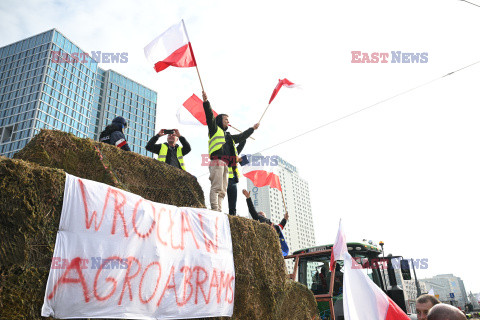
x: 264, y: 113
x: 196, y: 65
x: 191, y: 51
x: 284, y: 205
x: 201, y: 84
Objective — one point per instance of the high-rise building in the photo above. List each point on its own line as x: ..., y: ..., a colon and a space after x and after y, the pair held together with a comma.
x: 299, y: 232
x: 449, y: 288
x: 46, y: 81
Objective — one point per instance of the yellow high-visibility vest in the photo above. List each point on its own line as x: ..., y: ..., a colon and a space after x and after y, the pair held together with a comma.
x: 216, y: 141
x: 162, y: 156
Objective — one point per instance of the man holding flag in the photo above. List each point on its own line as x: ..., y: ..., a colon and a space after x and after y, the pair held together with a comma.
x: 222, y: 152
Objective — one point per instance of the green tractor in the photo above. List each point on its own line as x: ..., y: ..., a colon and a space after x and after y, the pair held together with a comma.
x: 312, y: 268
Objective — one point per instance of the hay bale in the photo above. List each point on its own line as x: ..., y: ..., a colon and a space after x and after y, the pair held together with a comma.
x: 31, y: 199
x: 259, y: 269
x: 30, y: 206
x: 88, y: 159
x: 298, y: 303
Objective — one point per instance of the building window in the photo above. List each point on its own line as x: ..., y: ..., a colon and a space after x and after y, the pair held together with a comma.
x: 7, y: 134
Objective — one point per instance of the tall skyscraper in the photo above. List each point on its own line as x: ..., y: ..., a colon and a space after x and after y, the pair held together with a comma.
x: 299, y: 231
x: 46, y: 81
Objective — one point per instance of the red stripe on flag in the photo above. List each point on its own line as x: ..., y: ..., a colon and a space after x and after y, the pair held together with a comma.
x: 194, y: 105
x: 182, y: 58
x: 261, y: 178
x: 394, y: 312
x: 332, y: 261
x: 281, y: 82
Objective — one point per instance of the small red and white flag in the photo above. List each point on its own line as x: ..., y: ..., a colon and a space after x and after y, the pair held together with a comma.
x: 363, y: 299
x: 262, y: 175
x: 171, y: 48
x: 281, y: 83
x: 339, y: 247
x: 192, y: 112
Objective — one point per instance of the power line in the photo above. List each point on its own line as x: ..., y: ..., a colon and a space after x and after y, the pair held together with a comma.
x: 470, y: 3
x: 370, y: 106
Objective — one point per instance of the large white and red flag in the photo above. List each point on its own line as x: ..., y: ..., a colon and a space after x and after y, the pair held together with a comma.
x: 363, y: 299
x: 263, y: 171
x: 192, y: 112
x: 281, y: 83
x: 339, y: 247
x: 171, y: 48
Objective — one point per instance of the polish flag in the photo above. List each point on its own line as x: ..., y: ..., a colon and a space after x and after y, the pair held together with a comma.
x: 262, y: 175
x: 363, y: 299
x: 281, y: 83
x: 192, y: 112
x: 171, y: 48
x: 339, y: 247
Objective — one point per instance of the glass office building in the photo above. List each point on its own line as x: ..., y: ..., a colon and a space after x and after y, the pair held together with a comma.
x: 38, y: 89
x: 116, y: 95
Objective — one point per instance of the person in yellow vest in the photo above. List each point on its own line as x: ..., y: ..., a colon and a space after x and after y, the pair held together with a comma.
x: 233, y: 178
x: 170, y: 152
x: 222, y: 152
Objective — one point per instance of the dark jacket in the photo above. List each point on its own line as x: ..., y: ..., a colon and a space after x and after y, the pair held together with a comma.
x: 171, y: 152
x: 256, y: 216
x: 240, y: 146
x: 227, y: 151
x: 113, y: 135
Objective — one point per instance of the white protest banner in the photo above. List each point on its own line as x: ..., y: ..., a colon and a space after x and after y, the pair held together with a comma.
x: 118, y: 255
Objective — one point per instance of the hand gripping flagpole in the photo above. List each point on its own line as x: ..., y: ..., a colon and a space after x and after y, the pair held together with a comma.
x: 193, y: 56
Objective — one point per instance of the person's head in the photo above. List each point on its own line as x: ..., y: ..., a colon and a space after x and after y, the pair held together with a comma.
x: 267, y: 221
x: 222, y: 121
x: 171, y: 139
x: 443, y: 311
x: 120, y: 122
x: 424, y: 303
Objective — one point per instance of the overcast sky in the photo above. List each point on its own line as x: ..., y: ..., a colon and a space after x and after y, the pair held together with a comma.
x: 405, y: 171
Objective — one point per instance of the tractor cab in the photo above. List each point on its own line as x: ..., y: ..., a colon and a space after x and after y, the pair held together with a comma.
x: 312, y: 268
